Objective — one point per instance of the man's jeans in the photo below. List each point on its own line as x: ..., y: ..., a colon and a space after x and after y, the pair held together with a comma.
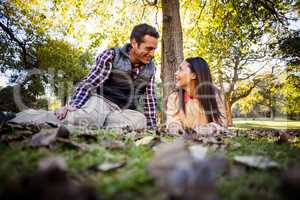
x: 97, y: 112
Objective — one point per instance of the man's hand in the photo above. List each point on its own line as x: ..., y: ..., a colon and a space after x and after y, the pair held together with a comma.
x: 61, y: 113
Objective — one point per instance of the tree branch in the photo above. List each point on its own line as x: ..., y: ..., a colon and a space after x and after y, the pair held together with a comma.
x: 11, y: 35
x: 250, y: 75
x: 151, y: 3
x: 236, y: 97
x: 199, y: 16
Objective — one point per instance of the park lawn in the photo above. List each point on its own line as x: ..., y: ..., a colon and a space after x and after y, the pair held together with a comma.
x: 266, y: 123
x: 133, y: 180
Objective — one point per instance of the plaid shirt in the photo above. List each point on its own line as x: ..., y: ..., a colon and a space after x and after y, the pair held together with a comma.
x: 100, y: 73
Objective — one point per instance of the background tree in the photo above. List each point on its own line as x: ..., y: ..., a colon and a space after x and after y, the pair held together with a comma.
x: 233, y: 36
x: 289, y: 50
x: 25, y: 46
x: 264, y: 97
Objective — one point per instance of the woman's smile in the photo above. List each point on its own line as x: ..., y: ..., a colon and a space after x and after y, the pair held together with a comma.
x: 183, y: 75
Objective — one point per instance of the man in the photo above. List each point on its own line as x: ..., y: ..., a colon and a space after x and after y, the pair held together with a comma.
x: 121, y: 76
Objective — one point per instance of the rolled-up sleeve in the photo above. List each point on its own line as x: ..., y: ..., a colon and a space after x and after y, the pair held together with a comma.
x: 150, y: 104
x: 95, y: 78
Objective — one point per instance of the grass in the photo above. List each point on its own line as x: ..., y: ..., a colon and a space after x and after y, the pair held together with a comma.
x: 278, y: 123
x: 133, y: 180
x: 130, y: 181
x: 261, y: 184
x: 258, y: 184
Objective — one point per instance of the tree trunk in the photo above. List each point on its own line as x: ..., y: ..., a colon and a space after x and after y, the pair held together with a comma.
x: 228, y: 111
x: 290, y: 116
x: 64, y: 100
x: 172, y: 47
x: 272, y: 112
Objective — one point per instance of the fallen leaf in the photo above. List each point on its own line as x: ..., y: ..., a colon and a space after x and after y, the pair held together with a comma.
x: 134, y: 135
x: 256, y: 161
x: 73, y: 144
x: 17, y: 136
x: 107, y: 166
x: 283, y: 138
x: 52, y: 162
x: 89, y: 136
x: 236, y: 145
x: 44, y: 138
x: 52, y: 183
x: 14, y: 125
x: 63, y: 132
x: 110, y: 144
x: 181, y: 171
x: 290, y: 183
x: 148, y: 140
x: 198, y: 152
x: 237, y: 171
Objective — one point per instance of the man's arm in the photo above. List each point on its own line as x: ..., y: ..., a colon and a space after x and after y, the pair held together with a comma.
x: 150, y: 104
x: 96, y: 77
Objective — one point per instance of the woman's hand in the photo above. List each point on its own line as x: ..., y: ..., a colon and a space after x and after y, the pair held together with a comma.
x: 210, y: 129
x: 61, y: 113
x: 175, y: 129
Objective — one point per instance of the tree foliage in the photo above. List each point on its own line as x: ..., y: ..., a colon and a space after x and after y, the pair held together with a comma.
x: 26, y: 46
x: 232, y: 36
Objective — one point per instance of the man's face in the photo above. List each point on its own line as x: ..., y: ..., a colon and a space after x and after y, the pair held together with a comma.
x: 145, y: 51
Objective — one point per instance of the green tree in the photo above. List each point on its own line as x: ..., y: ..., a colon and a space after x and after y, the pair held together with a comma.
x: 64, y: 63
x: 291, y: 94
x: 26, y: 47
x: 266, y: 95
x: 230, y: 35
x: 289, y: 50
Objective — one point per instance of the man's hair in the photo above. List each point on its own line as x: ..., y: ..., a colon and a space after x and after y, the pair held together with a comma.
x: 139, y: 31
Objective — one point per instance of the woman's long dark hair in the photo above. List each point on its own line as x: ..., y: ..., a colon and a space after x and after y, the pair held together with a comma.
x: 205, y: 90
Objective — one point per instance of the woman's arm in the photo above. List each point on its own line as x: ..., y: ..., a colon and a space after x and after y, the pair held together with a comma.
x: 174, y: 125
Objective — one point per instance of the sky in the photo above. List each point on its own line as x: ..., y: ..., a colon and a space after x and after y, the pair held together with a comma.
x: 3, y: 80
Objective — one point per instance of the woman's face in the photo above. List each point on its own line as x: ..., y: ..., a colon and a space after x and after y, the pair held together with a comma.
x: 184, y: 76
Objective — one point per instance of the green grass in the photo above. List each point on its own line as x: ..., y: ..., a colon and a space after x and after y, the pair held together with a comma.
x: 258, y: 184
x: 266, y: 123
x: 133, y: 180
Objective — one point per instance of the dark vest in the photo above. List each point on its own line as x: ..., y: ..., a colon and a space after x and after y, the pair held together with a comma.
x: 121, y: 87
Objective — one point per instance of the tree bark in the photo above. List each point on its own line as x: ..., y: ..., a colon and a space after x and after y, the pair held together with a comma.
x: 228, y: 105
x: 172, y: 47
x: 272, y: 112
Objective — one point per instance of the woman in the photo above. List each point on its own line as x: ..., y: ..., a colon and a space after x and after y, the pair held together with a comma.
x: 197, y: 103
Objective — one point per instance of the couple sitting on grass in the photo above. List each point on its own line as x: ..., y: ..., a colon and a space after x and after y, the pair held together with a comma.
x: 107, y: 97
